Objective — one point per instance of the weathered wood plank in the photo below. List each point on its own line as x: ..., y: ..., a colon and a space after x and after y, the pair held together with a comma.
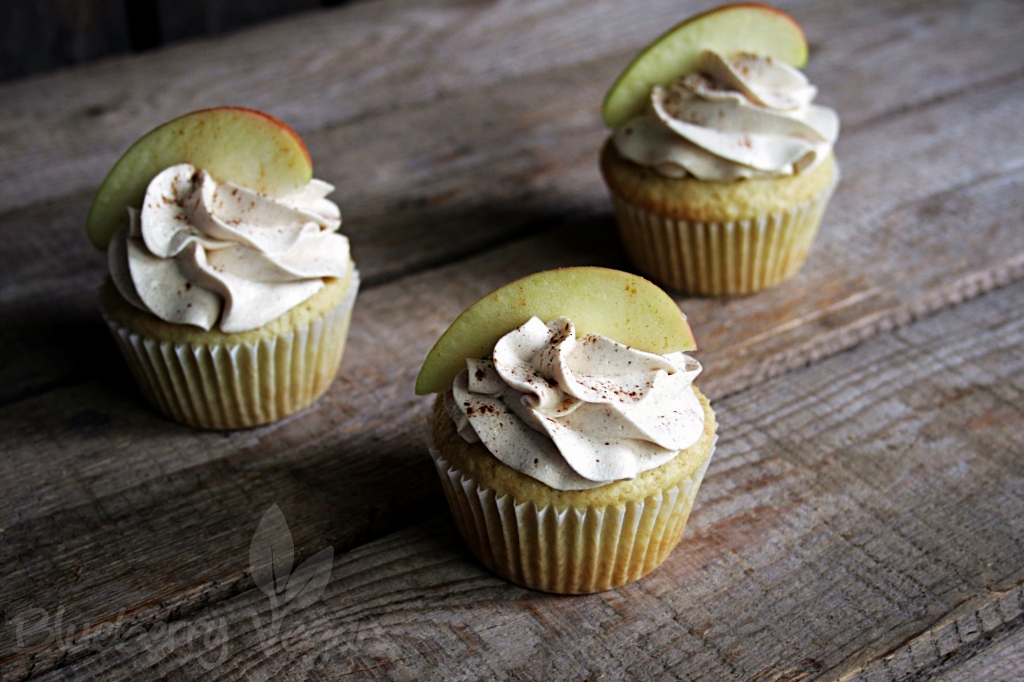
x: 369, y: 423
x: 501, y: 174
x: 184, y: 20
x: 1004, y: 661
x: 368, y: 427
x: 40, y: 36
x: 158, y: 495
x: 870, y: 499
x: 90, y: 468
x: 63, y: 131
x: 980, y: 640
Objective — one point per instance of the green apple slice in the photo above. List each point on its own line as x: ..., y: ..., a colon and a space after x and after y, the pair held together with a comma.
x: 744, y: 27
x: 243, y: 146
x: 616, y: 304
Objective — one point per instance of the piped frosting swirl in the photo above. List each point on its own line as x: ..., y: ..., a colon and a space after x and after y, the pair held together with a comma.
x: 208, y: 254
x: 738, y: 116
x: 576, y: 413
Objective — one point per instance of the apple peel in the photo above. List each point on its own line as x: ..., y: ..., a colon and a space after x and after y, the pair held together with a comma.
x: 615, y: 304
x: 742, y: 27
x: 243, y: 146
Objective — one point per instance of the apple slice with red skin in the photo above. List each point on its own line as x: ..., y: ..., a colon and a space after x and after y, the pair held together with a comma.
x: 623, y: 307
x: 743, y: 27
x: 233, y: 144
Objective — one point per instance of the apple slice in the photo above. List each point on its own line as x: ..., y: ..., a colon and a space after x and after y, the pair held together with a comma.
x: 744, y: 27
x: 243, y: 146
x: 616, y: 304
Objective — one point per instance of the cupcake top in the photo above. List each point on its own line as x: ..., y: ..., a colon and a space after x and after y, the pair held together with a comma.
x: 738, y: 116
x: 576, y: 413
x: 601, y: 392
x: 213, y: 220
x: 206, y: 253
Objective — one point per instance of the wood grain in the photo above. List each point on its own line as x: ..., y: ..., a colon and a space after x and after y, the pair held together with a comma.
x: 862, y: 524
x: 497, y: 174
x: 338, y: 67
x: 196, y: 494
x: 474, y: 166
x: 1001, y: 662
x: 188, y: 19
x: 39, y: 36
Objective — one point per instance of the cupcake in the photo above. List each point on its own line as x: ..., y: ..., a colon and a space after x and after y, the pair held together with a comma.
x: 719, y: 165
x: 567, y: 433
x: 230, y: 290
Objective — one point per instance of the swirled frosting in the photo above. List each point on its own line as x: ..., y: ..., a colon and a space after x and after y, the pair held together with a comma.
x: 576, y: 413
x: 205, y: 253
x: 739, y: 116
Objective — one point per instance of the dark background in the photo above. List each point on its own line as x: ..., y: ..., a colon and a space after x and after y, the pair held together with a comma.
x: 41, y: 35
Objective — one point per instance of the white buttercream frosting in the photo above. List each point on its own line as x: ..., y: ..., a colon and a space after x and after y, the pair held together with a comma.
x: 738, y: 116
x: 210, y: 254
x: 576, y: 413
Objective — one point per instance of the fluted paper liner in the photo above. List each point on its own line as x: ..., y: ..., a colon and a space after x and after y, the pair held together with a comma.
x: 573, y: 550
x: 232, y: 386
x: 716, y: 259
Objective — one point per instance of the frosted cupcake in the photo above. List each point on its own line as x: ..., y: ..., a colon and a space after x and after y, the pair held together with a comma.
x: 229, y: 296
x: 570, y: 459
x: 720, y: 166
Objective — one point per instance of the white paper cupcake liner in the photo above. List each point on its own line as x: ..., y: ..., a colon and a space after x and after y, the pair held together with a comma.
x: 716, y: 259
x: 232, y: 386
x: 569, y: 551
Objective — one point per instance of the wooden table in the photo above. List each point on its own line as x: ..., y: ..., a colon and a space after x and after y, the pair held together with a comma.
x: 863, y: 518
